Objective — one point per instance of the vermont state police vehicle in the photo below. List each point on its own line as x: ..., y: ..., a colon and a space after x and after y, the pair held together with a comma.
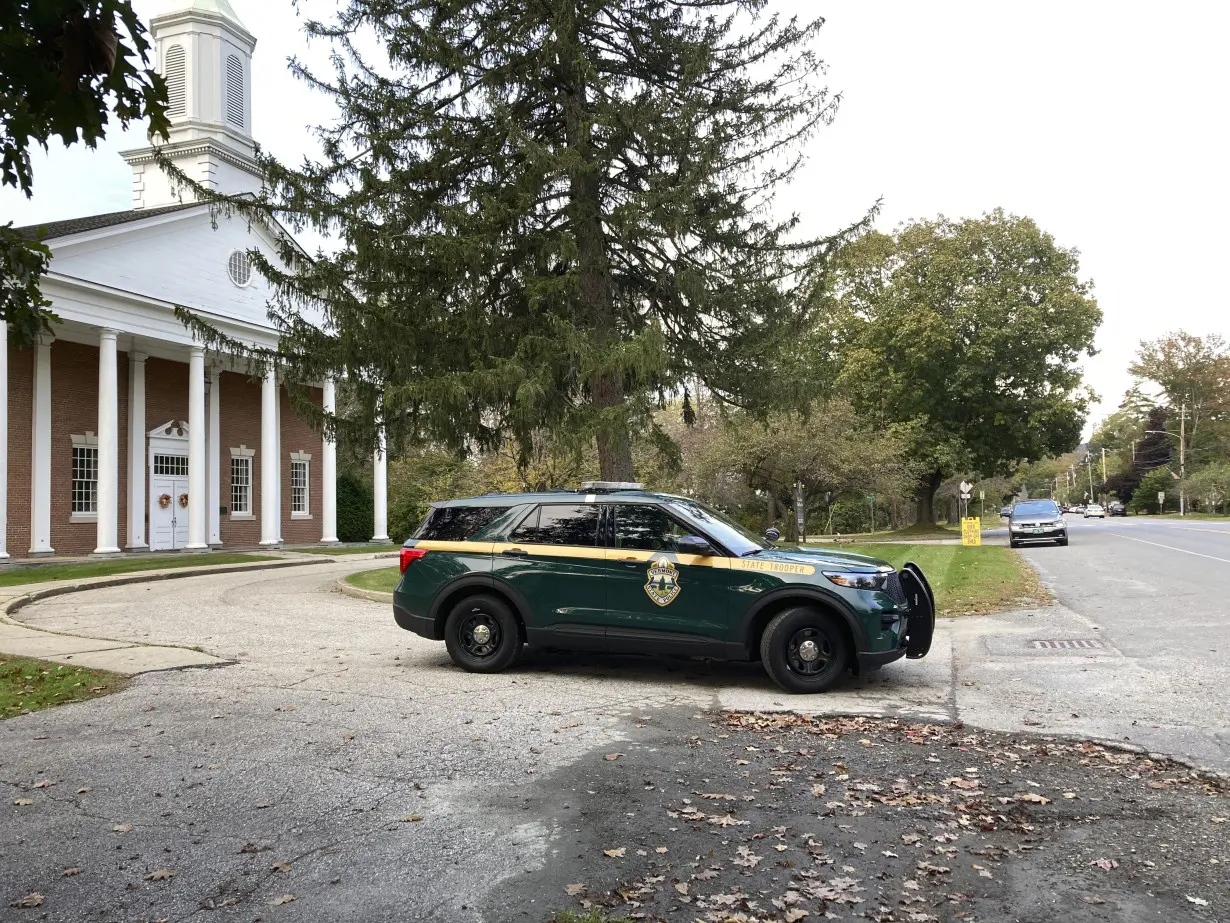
x: 614, y: 568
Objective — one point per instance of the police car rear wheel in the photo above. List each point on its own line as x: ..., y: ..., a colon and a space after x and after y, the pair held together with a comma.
x: 482, y: 635
x: 804, y: 650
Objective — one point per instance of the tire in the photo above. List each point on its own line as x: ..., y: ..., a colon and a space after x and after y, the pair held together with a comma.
x: 1063, y: 542
x: 467, y: 649
x: 1012, y: 544
x: 786, y: 665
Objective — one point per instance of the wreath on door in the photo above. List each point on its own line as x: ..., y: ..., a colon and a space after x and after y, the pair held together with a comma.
x: 183, y: 501
x: 164, y: 501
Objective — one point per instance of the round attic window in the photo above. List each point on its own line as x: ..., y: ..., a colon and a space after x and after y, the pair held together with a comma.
x: 239, y: 268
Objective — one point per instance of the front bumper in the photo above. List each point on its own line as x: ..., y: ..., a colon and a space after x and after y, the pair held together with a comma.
x: 873, y: 660
x: 1044, y: 535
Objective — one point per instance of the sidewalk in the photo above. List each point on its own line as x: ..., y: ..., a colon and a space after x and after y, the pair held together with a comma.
x: 123, y: 657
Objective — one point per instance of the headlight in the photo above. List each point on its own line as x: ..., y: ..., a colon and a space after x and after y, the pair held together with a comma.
x: 1017, y: 526
x: 858, y: 581
x: 1057, y: 524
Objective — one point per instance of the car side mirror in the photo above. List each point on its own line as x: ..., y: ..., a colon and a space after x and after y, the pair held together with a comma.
x: 772, y: 533
x: 693, y: 544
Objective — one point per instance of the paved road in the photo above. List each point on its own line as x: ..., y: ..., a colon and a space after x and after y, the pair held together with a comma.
x: 333, y: 728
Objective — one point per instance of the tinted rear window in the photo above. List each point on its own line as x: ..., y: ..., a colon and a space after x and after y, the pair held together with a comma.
x: 457, y: 523
x: 560, y: 524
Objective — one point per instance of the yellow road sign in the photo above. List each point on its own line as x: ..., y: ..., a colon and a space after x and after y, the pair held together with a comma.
x: 971, y: 531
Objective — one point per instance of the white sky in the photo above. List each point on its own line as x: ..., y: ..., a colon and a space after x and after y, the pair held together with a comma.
x: 1102, y: 120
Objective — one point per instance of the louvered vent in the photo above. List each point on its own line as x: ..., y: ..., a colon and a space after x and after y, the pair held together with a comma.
x: 175, y: 75
x: 234, y: 91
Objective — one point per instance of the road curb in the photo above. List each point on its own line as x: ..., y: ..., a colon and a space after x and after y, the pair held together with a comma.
x: 375, y: 596
x: 14, y: 605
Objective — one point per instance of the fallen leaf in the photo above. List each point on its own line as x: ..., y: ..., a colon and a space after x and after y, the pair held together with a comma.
x: 33, y: 899
x: 889, y: 854
x: 660, y: 849
x: 1198, y: 901
x: 69, y: 873
x: 1105, y: 864
x: 411, y: 818
x: 122, y: 828
x: 44, y: 783
x: 574, y: 890
x: 682, y: 887
x: 83, y: 790
x: 721, y: 797
x: 1219, y: 820
x: 280, y: 867
x: 22, y: 802
x: 161, y: 875
x: 254, y: 847
x: 284, y: 899
x: 794, y: 914
x: 611, y: 757
x: 615, y: 853
x: 1032, y: 798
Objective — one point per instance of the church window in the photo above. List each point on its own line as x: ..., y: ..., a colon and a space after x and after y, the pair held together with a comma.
x: 176, y: 77
x: 234, y: 91
x: 299, y: 462
x: 239, y: 268
x: 241, y: 482
x: 85, y: 474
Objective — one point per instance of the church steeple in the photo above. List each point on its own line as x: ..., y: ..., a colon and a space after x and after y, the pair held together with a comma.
x: 204, y: 53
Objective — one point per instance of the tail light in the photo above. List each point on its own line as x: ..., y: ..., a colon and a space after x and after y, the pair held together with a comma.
x: 409, y: 556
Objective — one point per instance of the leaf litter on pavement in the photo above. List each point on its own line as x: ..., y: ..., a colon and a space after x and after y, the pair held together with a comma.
x: 886, y: 820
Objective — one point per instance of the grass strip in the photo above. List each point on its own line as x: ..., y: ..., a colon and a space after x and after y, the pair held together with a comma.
x: 43, y: 573
x: 382, y: 579
x: 29, y: 685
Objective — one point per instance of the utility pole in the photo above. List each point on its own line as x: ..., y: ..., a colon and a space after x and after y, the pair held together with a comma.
x: 1182, y: 455
x: 1089, y: 470
x: 1103, y: 464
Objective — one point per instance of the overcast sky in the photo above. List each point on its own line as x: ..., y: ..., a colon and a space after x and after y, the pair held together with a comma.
x: 1102, y: 120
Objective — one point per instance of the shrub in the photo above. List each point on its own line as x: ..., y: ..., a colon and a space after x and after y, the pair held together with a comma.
x: 355, y: 516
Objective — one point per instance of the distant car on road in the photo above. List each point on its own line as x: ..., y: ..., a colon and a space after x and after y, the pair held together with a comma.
x: 1079, y: 509
x: 1005, y: 512
x: 1095, y: 510
x: 1036, y: 521
x: 1116, y: 509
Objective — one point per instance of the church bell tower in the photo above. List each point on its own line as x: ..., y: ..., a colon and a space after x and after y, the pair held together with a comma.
x: 204, y: 53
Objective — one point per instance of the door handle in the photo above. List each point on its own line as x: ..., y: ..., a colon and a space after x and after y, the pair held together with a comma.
x: 515, y: 553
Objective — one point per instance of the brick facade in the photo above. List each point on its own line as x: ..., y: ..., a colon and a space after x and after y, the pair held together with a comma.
x: 74, y: 411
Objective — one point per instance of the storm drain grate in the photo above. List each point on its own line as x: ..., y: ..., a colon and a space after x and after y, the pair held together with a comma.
x: 1068, y: 644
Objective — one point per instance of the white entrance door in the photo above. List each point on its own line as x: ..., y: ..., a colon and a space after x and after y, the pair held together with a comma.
x: 168, y: 525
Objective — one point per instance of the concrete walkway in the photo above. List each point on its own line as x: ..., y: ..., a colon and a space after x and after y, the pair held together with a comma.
x: 116, y: 656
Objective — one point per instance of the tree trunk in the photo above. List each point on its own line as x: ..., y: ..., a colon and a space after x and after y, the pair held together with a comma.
x: 927, y: 487
x: 595, y: 308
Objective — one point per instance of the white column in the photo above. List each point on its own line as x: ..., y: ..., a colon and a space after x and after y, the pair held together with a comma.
x: 40, y: 453
x: 108, y: 446
x: 271, y: 502
x: 214, y: 449
x: 380, y: 491
x: 197, y: 463
x: 4, y: 440
x: 328, y: 471
x: 138, y: 464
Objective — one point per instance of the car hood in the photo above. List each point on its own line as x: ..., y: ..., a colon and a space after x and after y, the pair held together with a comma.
x: 821, y: 557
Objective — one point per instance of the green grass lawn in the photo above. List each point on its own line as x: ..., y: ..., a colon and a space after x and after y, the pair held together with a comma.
x: 966, y: 581
x: 382, y: 579
x: 28, y: 685
x: 361, y: 549
x: 42, y: 573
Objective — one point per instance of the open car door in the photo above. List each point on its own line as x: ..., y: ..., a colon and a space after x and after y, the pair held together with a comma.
x: 921, y: 625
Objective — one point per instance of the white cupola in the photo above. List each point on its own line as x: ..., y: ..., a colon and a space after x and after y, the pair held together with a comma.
x: 204, y: 53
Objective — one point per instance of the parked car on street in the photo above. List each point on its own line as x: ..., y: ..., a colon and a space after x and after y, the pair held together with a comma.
x: 1036, y: 521
x: 1116, y: 508
x: 1079, y: 509
x: 614, y: 568
x: 1005, y: 512
x: 1095, y: 511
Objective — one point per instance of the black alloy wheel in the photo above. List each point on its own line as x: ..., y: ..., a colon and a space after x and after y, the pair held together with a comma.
x: 482, y: 635
x: 804, y: 650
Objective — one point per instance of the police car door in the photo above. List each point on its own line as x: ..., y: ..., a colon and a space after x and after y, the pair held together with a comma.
x: 661, y: 601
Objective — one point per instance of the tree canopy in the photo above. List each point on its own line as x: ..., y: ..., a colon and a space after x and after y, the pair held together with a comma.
x: 971, y: 330
x: 64, y: 72
x: 550, y: 214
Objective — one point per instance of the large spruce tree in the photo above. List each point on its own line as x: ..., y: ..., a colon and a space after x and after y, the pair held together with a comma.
x: 550, y: 213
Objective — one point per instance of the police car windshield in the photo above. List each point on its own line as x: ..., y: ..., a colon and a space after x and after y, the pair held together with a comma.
x: 1036, y: 508
x: 730, y: 534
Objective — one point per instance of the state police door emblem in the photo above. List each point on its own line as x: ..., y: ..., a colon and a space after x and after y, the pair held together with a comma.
x: 662, y: 584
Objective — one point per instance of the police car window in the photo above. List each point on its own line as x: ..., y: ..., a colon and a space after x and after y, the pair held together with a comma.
x: 560, y: 524
x: 646, y: 528
x: 456, y: 523
x: 738, y: 540
x: 1036, y: 507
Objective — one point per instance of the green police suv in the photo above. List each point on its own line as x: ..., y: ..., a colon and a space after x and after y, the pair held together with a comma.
x: 614, y: 568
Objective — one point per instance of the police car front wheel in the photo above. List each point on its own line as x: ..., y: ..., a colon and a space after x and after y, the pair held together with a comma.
x: 804, y: 650
x: 482, y: 635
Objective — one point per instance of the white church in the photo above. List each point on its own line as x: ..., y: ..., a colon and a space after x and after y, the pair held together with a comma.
x: 119, y: 433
